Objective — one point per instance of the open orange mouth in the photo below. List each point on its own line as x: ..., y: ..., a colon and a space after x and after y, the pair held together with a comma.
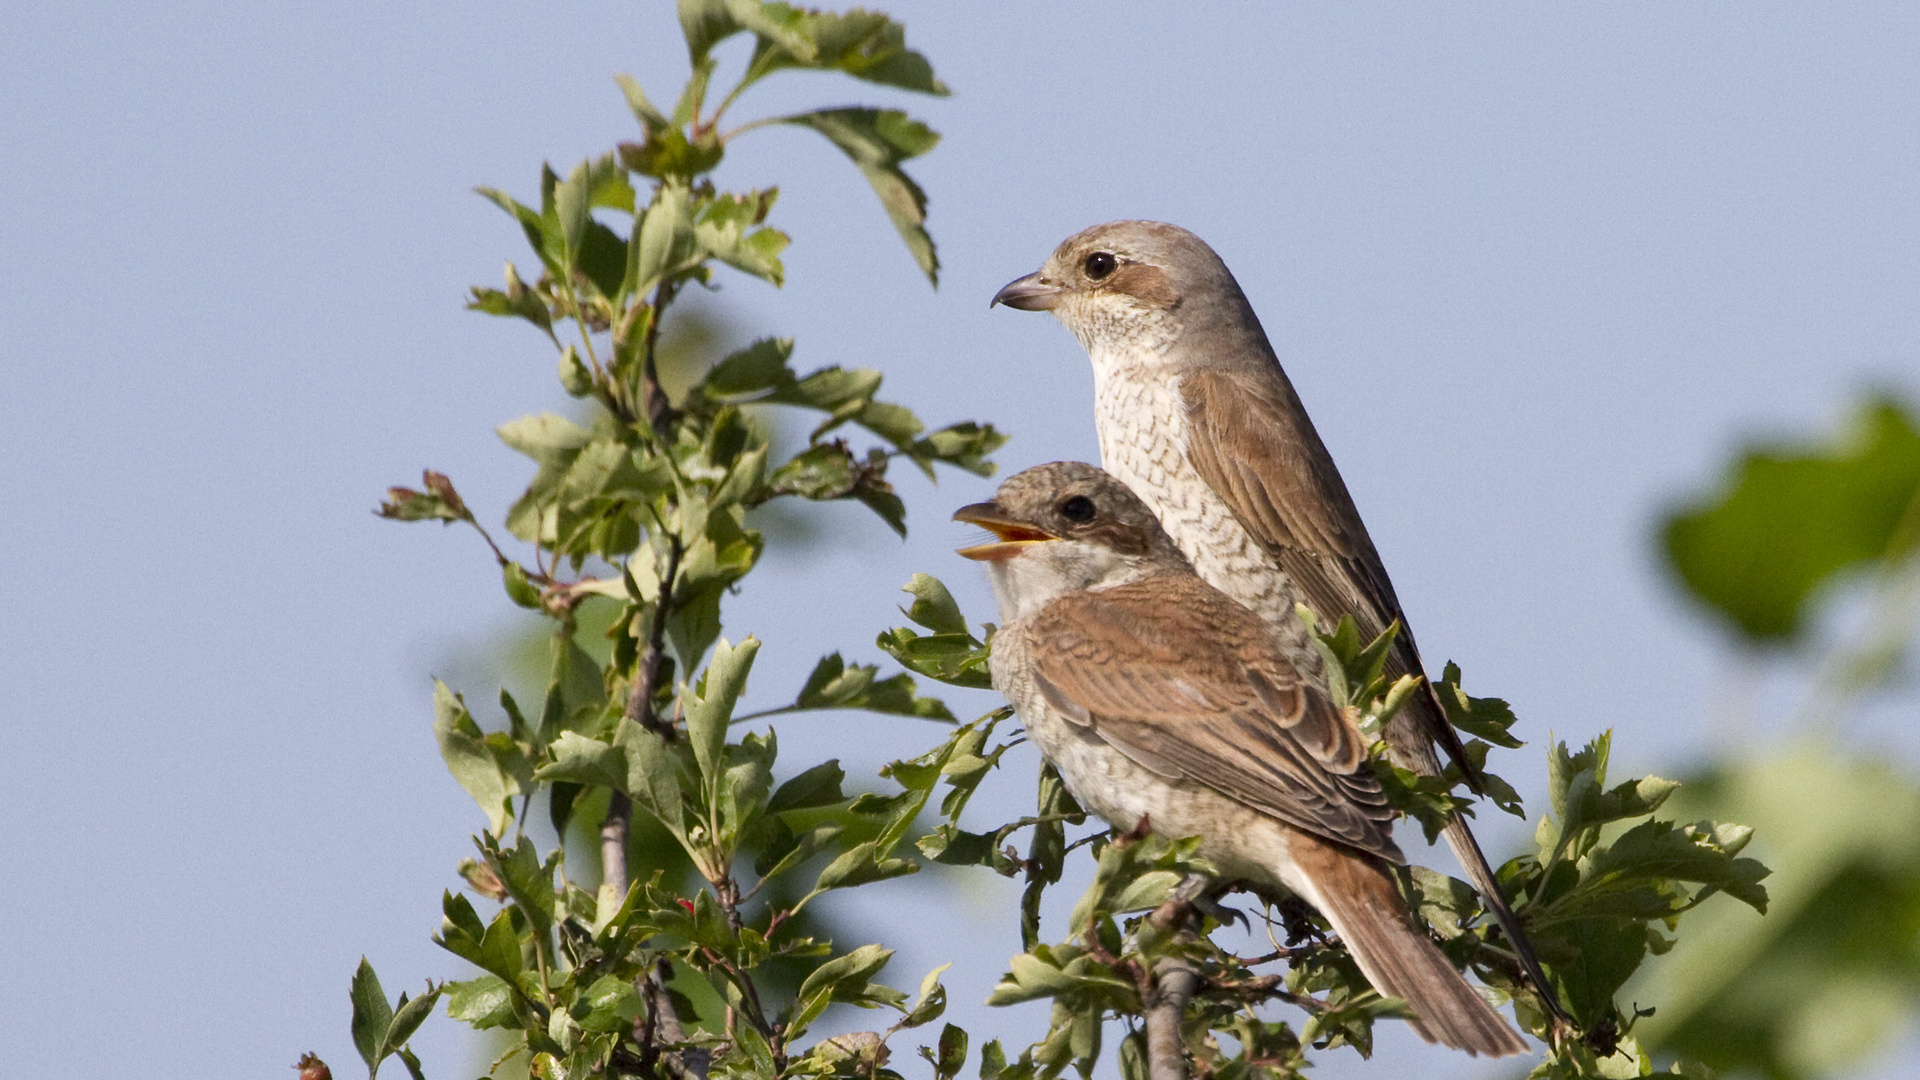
x: 1011, y: 535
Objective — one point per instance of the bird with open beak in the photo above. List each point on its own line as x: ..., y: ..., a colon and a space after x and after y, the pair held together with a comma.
x: 1195, y: 415
x: 1161, y: 700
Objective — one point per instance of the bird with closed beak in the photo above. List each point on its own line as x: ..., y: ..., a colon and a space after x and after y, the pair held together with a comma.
x: 1162, y: 701
x: 1195, y: 415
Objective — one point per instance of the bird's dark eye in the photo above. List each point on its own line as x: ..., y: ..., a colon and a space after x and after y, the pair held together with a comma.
x: 1100, y: 264
x: 1078, y: 509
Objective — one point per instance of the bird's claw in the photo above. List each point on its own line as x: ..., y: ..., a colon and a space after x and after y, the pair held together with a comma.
x: 1197, y: 892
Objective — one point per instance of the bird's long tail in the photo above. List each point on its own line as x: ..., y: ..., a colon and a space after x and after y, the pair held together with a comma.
x: 1358, y: 897
x: 1411, y: 740
x: 1467, y: 850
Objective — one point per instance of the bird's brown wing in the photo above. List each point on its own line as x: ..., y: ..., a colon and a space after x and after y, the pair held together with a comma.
x: 1189, y: 684
x: 1250, y: 440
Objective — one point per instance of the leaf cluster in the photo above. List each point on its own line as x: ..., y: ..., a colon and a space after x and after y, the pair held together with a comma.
x: 643, y: 504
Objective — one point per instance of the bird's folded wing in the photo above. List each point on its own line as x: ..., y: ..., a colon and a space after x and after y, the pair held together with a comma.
x: 1249, y: 439
x: 1190, y: 685
x: 1254, y: 447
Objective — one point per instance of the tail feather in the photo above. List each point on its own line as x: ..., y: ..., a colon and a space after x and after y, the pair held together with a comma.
x: 1355, y: 894
x: 1408, y: 740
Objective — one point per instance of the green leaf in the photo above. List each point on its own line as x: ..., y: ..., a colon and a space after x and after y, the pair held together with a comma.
x: 725, y: 229
x: 668, y: 154
x: 653, y: 776
x: 931, y: 1002
x: 545, y: 437
x: 818, y: 786
x: 643, y: 110
x: 759, y: 367
x: 663, y: 244
x: 706, y: 23
x: 532, y: 222
x: 465, y: 752
x: 528, y: 880
x: 576, y: 687
x: 494, y: 948
x: 407, y: 1019
x: 822, y: 473
x: 1031, y: 976
x: 1790, y: 518
x: 954, y: 659
x: 1607, y: 952
x: 964, y: 446
x: 951, y: 1054
x: 864, y: 44
x: 713, y: 700
x: 517, y: 301
x: 372, y: 1016
x: 581, y: 760
x: 1046, y: 850
x: 744, y: 785
x: 520, y: 590
x: 877, y: 141
x: 572, y: 199
x: 485, y: 1002
x: 611, y: 1003
x: 862, y: 865
x: 836, y: 685
x: 406, y: 504
x: 933, y: 606
x: 832, y: 683
x: 1660, y: 850
x: 831, y: 389
x: 844, y: 978
x: 1485, y: 718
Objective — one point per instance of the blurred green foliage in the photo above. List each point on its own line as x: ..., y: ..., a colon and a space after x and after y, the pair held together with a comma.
x: 1791, y: 518
x: 1820, y: 987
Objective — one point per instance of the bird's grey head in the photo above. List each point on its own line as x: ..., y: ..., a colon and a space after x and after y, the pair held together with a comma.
x: 1139, y: 287
x: 1064, y: 527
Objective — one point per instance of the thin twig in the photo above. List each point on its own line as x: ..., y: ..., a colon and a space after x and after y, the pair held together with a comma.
x: 687, y: 1063
x: 659, y: 409
x: 640, y: 698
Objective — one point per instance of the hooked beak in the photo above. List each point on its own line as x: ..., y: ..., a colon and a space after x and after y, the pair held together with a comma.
x: 1030, y: 293
x: 1014, y: 535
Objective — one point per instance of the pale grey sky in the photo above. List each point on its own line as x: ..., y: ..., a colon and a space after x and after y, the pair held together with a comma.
x: 1533, y: 268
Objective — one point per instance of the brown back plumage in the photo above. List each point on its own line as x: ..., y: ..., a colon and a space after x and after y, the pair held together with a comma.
x: 1230, y: 712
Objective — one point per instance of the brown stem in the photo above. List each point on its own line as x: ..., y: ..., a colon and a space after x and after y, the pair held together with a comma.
x: 613, y: 850
x: 659, y: 409
x: 726, y: 892
x: 1175, y: 982
x: 647, y: 674
x: 690, y: 1063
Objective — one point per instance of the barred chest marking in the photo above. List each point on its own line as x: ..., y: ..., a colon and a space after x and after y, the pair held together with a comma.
x: 1142, y: 421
